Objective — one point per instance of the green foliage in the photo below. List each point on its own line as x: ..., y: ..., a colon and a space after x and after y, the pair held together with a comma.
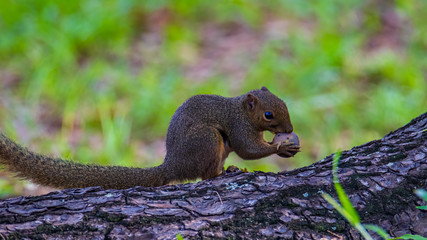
x: 98, y: 81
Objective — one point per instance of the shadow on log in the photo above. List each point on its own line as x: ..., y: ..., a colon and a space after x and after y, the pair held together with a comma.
x: 379, y: 177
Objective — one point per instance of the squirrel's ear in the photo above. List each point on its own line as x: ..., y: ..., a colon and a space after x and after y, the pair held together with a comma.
x: 265, y: 89
x: 251, y: 101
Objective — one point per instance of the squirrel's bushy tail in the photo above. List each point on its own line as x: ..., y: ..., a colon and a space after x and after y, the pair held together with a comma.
x: 61, y: 173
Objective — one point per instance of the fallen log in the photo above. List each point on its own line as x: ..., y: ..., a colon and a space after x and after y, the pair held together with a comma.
x: 379, y: 177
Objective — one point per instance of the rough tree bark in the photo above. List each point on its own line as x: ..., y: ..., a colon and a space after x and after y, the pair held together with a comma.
x: 379, y: 176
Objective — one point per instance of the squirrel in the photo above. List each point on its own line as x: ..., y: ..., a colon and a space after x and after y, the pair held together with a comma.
x: 201, y: 134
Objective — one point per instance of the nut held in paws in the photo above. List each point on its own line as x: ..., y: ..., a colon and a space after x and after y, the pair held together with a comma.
x: 285, y: 138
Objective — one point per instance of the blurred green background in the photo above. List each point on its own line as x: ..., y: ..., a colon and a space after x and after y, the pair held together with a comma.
x: 98, y: 81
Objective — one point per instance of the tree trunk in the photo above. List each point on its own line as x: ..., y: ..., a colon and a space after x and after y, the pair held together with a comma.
x: 379, y: 177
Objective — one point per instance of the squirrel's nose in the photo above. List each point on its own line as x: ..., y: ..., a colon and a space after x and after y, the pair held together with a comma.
x: 285, y: 128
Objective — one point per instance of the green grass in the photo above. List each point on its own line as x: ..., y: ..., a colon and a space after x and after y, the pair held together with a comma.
x: 98, y: 81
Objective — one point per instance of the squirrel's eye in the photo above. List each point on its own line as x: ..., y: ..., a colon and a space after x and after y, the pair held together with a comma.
x: 268, y: 115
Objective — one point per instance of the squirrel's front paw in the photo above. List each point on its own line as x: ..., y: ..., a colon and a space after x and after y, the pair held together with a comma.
x: 287, y: 149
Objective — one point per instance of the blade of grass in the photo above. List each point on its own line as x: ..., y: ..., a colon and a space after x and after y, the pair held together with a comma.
x: 347, y: 210
x: 378, y: 230
x: 347, y: 215
x: 410, y: 236
x: 336, y: 205
x: 342, y: 196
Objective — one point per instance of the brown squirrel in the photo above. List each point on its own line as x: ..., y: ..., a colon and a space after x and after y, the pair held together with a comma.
x: 201, y: 134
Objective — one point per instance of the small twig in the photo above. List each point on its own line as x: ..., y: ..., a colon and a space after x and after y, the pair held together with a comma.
x: 2, y: 237
x: 336, y: 235
x: 219, y: 197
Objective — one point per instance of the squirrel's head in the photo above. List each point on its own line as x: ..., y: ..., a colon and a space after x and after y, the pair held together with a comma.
x: 267, y: 112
